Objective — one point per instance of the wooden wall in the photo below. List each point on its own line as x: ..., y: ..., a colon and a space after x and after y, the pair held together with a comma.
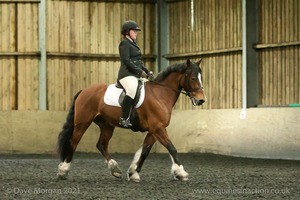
x: 279, y: 51
x: 82, y: 40
x: 19, y: 56
x: 216, y: 37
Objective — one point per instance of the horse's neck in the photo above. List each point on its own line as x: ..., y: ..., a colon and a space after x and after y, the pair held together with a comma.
x: 171, y: 89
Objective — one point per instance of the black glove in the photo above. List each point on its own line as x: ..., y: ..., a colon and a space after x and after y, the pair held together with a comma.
x: 144, y: 75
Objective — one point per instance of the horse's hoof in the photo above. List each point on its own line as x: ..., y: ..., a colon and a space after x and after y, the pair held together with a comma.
x: 134, y: 177
x: 181, y: 178
x: 62, y: 176
x: 135, y: 180
x: 114, y: 168
x: 116, y: 171
x: 184, y: 179
x: 179, y: 173
x: 117, y: 174
x: 63, y: 170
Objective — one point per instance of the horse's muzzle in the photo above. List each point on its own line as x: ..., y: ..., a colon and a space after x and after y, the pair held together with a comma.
x: 197, y: 102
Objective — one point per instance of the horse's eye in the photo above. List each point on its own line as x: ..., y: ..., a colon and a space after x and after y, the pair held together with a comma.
x: 194, y: 78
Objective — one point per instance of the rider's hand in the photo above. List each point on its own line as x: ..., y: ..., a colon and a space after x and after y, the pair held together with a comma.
x: 144, y: 75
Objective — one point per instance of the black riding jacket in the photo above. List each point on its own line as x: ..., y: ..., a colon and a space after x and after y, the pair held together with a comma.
x: 131, y: 59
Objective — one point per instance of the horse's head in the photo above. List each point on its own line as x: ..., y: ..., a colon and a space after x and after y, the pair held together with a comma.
x: 192, y: 82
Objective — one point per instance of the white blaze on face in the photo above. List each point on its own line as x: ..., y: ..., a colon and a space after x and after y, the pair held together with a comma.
x: 201, y: 84
x: 200, y: 80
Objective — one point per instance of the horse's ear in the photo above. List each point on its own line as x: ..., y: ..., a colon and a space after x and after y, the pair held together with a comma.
x: 199, y: 61
x: 188, y: 63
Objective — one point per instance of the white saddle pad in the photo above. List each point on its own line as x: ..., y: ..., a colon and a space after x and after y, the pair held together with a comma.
x: 112, y: 94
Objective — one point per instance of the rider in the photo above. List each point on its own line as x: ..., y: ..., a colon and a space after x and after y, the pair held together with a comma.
x: 131, y: 68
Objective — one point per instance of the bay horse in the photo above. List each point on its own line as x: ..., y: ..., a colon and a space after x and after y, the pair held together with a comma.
x: 153, y: 116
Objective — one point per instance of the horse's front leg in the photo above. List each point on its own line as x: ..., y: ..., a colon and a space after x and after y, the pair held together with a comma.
x: 177, y: 169
x: 139, y: 158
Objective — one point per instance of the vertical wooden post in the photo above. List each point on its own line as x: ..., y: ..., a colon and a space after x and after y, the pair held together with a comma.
x: 42, y: 61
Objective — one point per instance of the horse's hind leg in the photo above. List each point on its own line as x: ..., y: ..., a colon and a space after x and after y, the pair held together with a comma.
x: 106, y: 132
x: 64, y: 166
x: 139, y: 158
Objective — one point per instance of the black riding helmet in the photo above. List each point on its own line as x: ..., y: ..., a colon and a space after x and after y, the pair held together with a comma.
x: 129, y: 25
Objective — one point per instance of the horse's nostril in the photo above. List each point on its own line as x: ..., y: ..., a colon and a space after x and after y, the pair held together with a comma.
x: 200, y: 102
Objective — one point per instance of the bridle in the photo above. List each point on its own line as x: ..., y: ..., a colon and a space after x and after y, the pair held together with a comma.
x: 187, y: 92
x: 190, y: 90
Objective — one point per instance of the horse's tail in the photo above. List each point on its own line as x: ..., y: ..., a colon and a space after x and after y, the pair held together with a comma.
x: 64, y: 142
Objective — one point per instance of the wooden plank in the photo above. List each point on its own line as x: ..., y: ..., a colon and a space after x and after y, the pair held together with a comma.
x: 93, y: 20
x: 278, y: 20
x: 80, y: 28
x: 49, y: 84
x: 276, y: 45
x: 19, y: 53
x: 221, y: 25
x: 20, y: 1
x: 295, y: 73
x: 2, y: 86
x: 287, y: 76
x: 205, y: 25
x: 91, y: 55
x: 21, y: 83
x: 119, y: 1
x: 27, y: 80
x: 277, y: 59
x: 203, y: 53
x: 196, y: 44
x: 102, y: 28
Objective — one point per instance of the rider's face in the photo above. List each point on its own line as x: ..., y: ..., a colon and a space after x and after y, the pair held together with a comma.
x: 133, y: 34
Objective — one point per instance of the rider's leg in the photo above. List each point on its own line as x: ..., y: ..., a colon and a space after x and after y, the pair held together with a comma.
x: 130, y: 84
x: 126, y: 110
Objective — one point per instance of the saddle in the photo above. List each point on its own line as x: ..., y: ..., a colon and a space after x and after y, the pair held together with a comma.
x: 137, y: 95
x: 115, y: 94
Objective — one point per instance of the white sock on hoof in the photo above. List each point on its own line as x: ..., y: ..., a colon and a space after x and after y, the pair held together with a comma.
x: 114, y: 168
x: 136, y: 158
x: 133, y: 175
x: 179, y: 173
x: 112, y: 164
x: 63, y: 169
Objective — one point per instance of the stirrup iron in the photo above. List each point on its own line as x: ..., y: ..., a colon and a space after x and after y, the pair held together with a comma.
x: 125, y: 122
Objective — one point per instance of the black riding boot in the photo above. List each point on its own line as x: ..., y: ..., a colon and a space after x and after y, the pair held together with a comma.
x: 126, y: 110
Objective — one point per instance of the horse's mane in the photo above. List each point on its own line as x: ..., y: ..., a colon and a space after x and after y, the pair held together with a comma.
x: 178, y: 67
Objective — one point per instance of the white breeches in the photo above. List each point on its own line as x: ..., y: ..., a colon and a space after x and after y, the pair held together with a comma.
x: 130, y: 84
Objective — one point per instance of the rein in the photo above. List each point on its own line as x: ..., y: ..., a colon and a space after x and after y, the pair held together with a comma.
x: 178, y: 91
x: 187, y: 93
